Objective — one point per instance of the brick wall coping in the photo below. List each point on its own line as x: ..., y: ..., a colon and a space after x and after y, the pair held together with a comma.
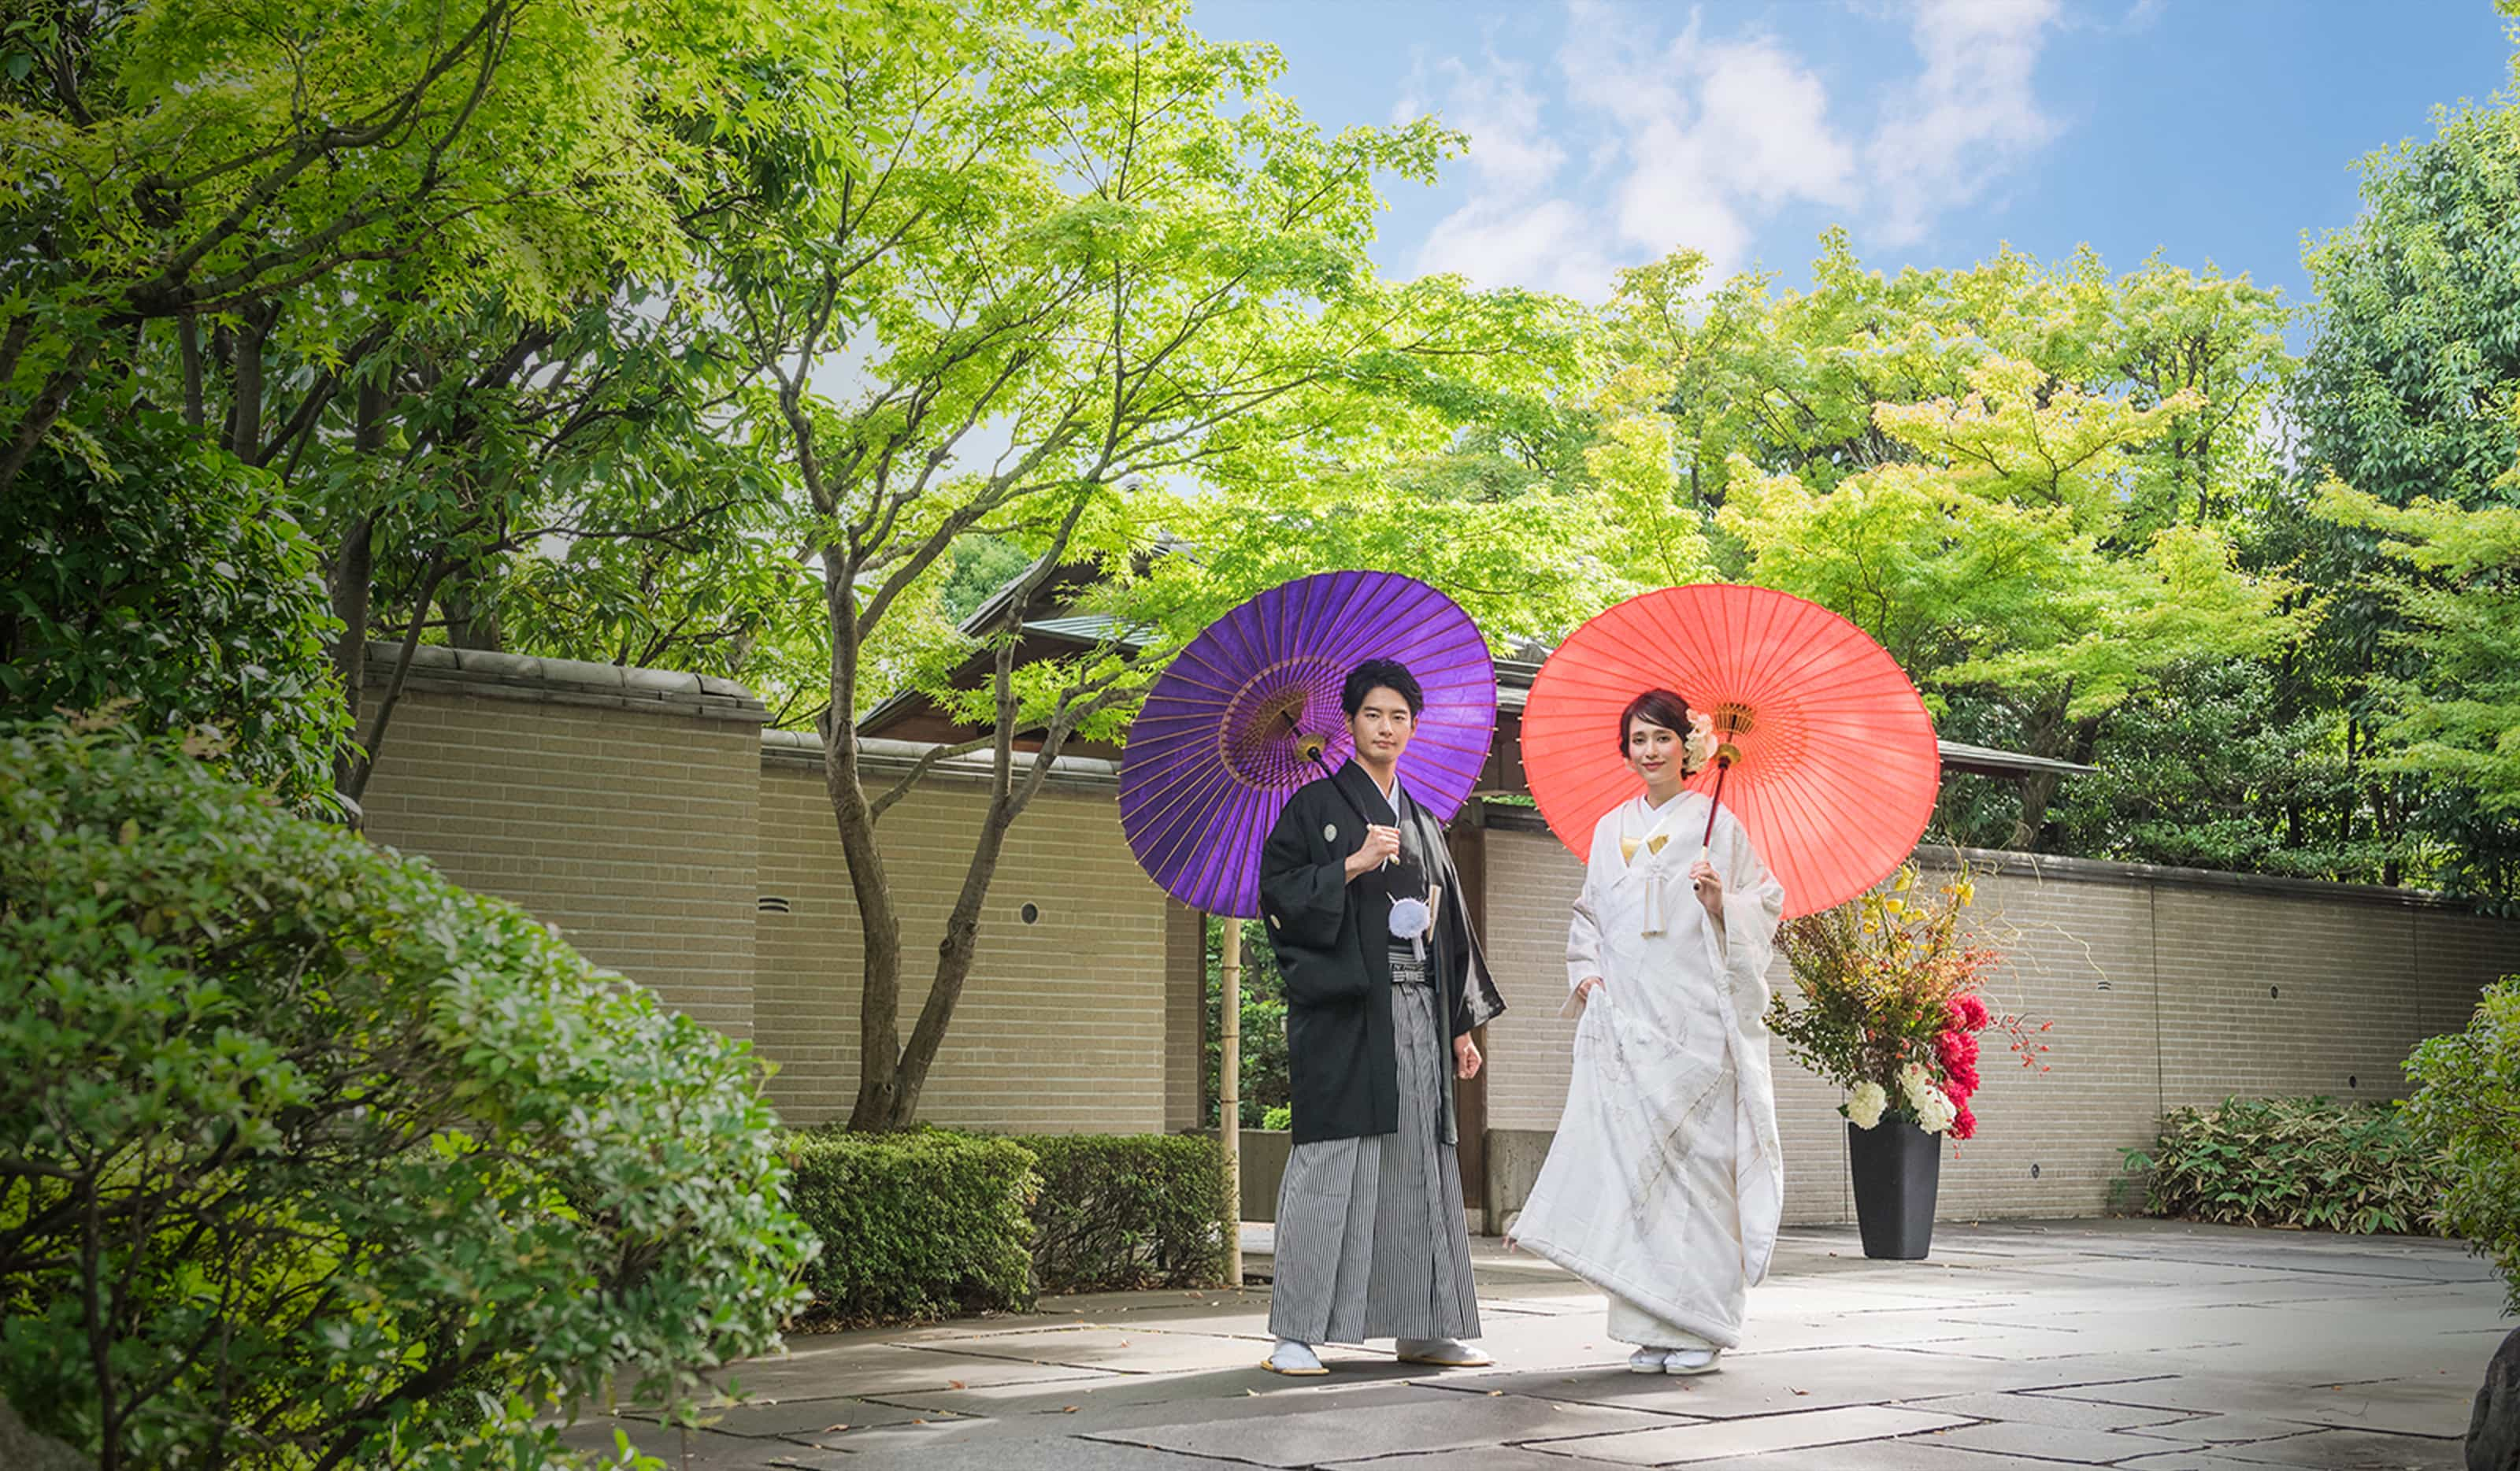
x: 2047, y: 865
x: 567, y: 682
x: 896, y: 757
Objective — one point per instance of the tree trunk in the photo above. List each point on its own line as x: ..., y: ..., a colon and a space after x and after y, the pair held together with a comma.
x: 188, y: 341
x: 40, y: 416
x: 2054, y: 736
x: 354, y: 577
x: 954, y: 956
x: 878, y: 921
x: 471, y: 617
x: 353, y: 589
x: 245, y: 409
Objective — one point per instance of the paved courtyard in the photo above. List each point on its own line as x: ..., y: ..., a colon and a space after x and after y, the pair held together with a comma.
x: 2021, y: 1345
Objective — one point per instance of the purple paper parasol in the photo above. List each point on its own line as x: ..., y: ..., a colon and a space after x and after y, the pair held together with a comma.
x: 1222, y: 741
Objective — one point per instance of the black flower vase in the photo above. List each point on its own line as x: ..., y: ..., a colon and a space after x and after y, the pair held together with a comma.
x: 1896, y: 1168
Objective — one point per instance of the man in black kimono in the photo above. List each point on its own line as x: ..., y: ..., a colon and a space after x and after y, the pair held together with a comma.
x: 1385, y: 982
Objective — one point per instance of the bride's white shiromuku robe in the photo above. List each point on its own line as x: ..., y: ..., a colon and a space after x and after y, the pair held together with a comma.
x: 1664, y: 1184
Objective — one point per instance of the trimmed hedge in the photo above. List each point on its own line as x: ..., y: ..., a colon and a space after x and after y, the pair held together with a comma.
x: 915, y: 1226
x: 1127, y: 1210
x: 931, y: 1224
x: 2302, y: 1162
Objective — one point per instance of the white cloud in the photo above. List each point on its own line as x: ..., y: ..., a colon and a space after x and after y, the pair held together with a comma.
x: 1657, y: 142
x: 1512, y: 231
x: 1970, y: 115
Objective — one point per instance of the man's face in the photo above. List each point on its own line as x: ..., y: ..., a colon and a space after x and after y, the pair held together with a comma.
x: 1381, y: 726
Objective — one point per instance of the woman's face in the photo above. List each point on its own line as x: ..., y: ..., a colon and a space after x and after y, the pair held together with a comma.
x: 1654, y: 752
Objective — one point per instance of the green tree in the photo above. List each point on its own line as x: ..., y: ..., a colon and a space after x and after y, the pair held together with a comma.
x: 1075, y: 283
x: 2452, y: 720
x: 433, y: 272
x: 2144, y: 479
x: 2002, y: 556
x: 2407, y: 397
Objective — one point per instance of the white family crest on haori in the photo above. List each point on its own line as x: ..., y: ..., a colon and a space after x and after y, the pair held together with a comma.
x: 1664, y: 1185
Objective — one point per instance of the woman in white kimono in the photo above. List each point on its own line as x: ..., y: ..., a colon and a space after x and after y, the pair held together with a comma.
x: 1663, y: 1187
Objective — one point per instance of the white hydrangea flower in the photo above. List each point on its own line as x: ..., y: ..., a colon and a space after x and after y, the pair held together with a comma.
x: 1866, y: 1104
x: 1933, y: 1108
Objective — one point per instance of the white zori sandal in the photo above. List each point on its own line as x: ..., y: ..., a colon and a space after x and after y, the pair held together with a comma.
x: 1292, y: 1357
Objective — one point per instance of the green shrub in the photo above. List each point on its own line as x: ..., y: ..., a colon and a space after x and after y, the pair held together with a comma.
x: 2307, y: 1162
x: 915, y: 1226
x: 362, y: 1168
x: 1282, y: 1117
x: 1127, y: 1210
x: 2467, y: 1106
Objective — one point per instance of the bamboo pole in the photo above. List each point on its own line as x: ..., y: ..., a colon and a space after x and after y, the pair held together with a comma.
x: 1229, y: 1092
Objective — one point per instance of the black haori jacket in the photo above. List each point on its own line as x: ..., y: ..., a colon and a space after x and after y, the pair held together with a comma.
x: 1333, y: 944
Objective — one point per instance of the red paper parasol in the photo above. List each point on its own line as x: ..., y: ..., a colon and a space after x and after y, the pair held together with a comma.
x: 1834, y: 766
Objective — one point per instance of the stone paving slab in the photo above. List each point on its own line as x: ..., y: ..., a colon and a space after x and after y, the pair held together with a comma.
x: 1925, y: 1453
x: 2435, y: 1405
x: 2020, y: 1346
x: 2322, y: 1450
x: 2060, y: 1442
x: 1783, y: 1383
x: 1459, y: 1423
x: 2047, y: 1409
x: 1249, y: 1412
x: 1680, y: 1445
x: 1065, y: 1453
x: 1478, y: 1459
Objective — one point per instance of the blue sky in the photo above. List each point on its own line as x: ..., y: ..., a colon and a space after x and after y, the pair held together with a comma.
x: 1607, y: 132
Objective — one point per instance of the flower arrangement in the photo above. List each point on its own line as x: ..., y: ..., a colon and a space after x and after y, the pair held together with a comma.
x: 1892, y: 1006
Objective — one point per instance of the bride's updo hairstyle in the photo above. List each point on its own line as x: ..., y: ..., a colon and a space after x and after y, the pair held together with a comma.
x: 1655, y: 707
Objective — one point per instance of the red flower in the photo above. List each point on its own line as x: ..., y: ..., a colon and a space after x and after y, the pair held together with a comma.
x: 1964, y: 1123
x: 1957, y: 1054
x: 1969, y: 1013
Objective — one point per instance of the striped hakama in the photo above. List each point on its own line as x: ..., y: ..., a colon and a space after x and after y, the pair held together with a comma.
x: 1372, y: 1238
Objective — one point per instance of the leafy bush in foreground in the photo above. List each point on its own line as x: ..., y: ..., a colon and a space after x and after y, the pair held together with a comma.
x: 356, y: 1168
x: 2467, y: 1106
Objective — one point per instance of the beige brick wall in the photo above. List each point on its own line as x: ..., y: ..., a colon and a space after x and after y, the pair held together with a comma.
x: 2162, y: 989
x: 1064, y: 1025
x: 1187, y: 1017
x: 631, y: 830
